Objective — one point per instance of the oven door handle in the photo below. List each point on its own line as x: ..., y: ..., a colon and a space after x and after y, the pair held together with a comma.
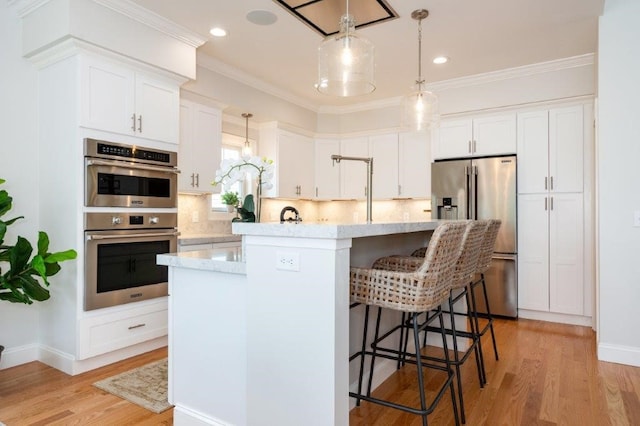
x: 132, y: 166
x: 121, y: 236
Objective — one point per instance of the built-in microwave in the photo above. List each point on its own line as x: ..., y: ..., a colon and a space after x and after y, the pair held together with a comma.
x: 118, y: 175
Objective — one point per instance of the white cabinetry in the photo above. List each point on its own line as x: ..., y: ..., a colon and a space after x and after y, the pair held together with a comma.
x: 293, y: 157
x: 327, y: 173
x: 414, y: 165
x: 353, y: 174
x: 551, y: 150
x: 200, y: 147
x: 384, y: 151
x: 551, y: 212
x: 479, y: 136
x: 119, y: 99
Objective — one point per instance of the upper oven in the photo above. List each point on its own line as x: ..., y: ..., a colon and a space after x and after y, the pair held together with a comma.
x: 118, y: 175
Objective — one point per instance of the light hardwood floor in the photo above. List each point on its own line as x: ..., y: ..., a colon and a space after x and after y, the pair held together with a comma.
x: 547, y: 375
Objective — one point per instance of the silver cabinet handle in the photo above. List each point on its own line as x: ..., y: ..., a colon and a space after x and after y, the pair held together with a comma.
x: 545, y: 183
x: 469, y: 147
x: 133, y: 122
x: 551, y: 203
x: 316, y: 191
x: 193, y: 180
x: 140, y: 123
x: 136, y: 326
x: 545, y: 204
x: 197, y: 180
x: 474, y: 145
x: 552, y: 183
x: 399, y: 189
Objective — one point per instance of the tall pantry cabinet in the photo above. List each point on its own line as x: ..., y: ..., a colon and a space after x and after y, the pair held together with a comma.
x: 551, y: 211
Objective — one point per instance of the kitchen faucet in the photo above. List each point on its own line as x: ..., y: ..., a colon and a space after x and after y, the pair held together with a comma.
x: 369, y: 161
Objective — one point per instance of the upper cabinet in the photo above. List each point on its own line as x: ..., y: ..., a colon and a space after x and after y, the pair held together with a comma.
x: 414, y: 165
x: 327, y: 174
x: 200, y: 147
x: 293, y: 157
x: 475, y: 137
x: 551, y: 150
x: 122, y: 100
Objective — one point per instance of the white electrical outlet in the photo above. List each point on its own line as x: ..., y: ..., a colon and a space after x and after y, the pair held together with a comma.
x: 195, y: 216
x: 636, y: 218
x: 288, y: 261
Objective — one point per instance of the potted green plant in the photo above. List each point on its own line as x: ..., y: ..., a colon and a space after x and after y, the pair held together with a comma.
x: 23, y: 278
x: 230, y: 198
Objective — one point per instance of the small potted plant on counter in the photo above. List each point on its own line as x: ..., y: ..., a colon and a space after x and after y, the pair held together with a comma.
x: 230, y: 198
x: 23, y: 278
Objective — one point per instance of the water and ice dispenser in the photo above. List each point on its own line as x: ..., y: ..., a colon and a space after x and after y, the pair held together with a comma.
x: 447, y: 208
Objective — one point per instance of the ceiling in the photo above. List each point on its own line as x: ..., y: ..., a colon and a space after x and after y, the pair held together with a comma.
x: 478, y: 35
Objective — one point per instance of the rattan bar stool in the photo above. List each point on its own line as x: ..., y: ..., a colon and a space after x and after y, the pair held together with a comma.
x: 484, y: 262
x: 462, y: 278
x: 421, y: 290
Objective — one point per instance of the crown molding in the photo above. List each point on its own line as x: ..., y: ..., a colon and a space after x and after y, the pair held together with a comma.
x: 217, y: 66
x: 25, y: 7
x: 516, y: 72
x: 153, y: 20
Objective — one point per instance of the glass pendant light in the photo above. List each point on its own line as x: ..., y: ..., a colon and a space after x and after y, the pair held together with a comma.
x: 420, y: 107
x: 246, y: 149
x: 346, y: 62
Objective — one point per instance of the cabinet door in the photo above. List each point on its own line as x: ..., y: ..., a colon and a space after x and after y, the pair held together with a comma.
x: 453, y: 139
x: 327, y: 179
x: 566, y: 252
x: 200, y: 146
x: 384, y: 150
x: 494, y: 135
x: 566, y: 149
x: 414, y: 165
x: 107, y: 93
x: 533, y: 152
x: 157, y: 104
x: 353, y: 174
x: 533, y: 252
x: 295, y: 165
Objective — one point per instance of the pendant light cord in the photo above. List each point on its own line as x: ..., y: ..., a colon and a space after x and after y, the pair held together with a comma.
x: 420, y: 80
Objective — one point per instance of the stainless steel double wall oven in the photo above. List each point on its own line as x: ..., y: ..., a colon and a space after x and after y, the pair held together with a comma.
x: 131, y: 200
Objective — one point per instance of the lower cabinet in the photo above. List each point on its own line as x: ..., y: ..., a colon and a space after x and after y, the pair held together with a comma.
x: 551, y: 253
x: 208, y: 246
x: 104, y: 333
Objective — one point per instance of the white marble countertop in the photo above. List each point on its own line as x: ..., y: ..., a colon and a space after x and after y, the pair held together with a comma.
x: 189, y: 239
x: 227, y: 260
x: 331, y: 230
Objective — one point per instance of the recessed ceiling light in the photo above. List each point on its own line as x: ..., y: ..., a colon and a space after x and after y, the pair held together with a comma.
x: 440, y: 60
x: 218, y: 32
x: 261, y: 17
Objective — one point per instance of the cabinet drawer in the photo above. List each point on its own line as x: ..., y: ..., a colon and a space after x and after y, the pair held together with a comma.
x: 99, y: 335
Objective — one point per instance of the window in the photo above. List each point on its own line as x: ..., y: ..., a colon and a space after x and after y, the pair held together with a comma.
x: 231, y: 149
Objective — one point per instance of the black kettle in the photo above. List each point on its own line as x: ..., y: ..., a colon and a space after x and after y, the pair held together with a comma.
x: 296, y: 218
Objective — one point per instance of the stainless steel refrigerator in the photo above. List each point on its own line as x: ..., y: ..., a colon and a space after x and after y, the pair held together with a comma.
x: 484, y: 188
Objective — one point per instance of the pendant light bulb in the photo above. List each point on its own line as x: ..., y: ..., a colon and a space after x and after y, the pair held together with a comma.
x: 420, y: 109
x: 246, y: 149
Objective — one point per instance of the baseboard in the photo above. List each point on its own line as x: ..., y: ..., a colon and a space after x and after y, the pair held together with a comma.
x: 18, y: 355
x: 627, y: 355
x: 554, y: 317
x: 183, y: 416
x: 12, y: 357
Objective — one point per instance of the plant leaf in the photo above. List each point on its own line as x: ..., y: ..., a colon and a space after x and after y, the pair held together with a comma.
x: 61, y: 256
x: 52, y: 269
x: 43, y: 243
x: 33, y: 289
x: 37, y: 263
x: 19, y: 256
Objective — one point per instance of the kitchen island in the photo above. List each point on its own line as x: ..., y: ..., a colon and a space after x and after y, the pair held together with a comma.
x: 262, y: 338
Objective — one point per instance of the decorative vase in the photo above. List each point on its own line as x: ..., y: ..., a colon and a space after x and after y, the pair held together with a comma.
x: 258, y: 201
x: 231, y: 208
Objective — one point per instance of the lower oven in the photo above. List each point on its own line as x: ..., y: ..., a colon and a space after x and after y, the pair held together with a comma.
x: 120, y: 253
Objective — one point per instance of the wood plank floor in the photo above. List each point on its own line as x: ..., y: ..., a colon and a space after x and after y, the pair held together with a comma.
x: 547, y: 375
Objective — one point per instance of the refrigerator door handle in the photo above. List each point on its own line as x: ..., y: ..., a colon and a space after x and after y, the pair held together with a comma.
x: 467, y: 190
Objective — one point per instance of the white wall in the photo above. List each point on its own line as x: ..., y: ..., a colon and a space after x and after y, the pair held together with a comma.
x: 618, y: 175
x: 18, y: 166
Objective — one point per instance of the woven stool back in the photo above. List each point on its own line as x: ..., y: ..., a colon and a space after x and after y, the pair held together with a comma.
x: 467, y: 263
x: 419, y: 290
x: 488, y: 243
